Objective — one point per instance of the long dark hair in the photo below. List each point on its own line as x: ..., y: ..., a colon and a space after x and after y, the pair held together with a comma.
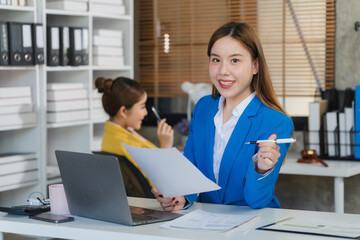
x: 119, y: 92
x: 261, y: 82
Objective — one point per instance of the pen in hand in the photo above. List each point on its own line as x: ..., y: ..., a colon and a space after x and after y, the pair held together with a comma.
x: 278, y: 141
x: 156, y: 113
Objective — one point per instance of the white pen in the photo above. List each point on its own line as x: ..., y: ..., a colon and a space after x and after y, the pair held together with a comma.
x: 156, y: 113
x: 283, y: 140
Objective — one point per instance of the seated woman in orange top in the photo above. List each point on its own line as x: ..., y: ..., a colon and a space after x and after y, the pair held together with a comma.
x: 124, y: 101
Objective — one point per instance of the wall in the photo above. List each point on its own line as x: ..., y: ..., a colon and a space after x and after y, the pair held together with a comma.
x: 316, y: 193
x: 347, y: 44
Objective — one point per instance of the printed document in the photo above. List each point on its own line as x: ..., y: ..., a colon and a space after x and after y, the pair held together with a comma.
x: 170, y: 172
x: 210, y: 221
x: 316, y: 227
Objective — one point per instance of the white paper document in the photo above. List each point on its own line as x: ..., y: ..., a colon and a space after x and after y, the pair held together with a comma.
x: 316, y: 227
x: 170, y: 172
x: 210, y: 221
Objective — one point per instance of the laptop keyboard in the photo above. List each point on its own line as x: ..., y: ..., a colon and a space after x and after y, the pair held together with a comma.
x: 141, y: 218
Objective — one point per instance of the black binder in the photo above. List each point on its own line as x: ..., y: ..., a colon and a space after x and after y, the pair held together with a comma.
x: 15, y: 43
x: 27, y: 44
x: 75, y: 46
x: 64, y: 46
x: 53, y: 46
x: 38, y: 43
x: 4, y: 44
x: 85, y: 46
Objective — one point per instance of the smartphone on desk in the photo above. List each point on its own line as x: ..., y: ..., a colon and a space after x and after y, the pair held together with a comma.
x: 53, y: 218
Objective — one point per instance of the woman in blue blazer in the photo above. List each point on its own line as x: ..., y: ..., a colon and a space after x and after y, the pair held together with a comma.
x: 243, y: 107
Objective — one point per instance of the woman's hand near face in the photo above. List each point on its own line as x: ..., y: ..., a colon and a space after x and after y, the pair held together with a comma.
x: 268, y: 155
x: 169, y: 203
x: 165, y: 134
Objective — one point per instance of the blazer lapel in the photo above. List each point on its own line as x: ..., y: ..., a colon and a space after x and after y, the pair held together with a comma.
x: 235, y: 144
x: 209, y: 136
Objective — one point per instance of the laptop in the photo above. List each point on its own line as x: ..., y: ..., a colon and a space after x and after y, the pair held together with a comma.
x: 94, y: 188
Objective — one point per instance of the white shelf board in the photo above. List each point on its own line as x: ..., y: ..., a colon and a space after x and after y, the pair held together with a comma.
x: 17, y: 68
x: 67, y: 68
x: 67, y: 124
x: 97, y: 121
x: 105, y: 68
x: 17, y: 8
x: 65, y: 13
x: 18, y: 185
x: 53, y: 181
x: 15, y: 127
x: 110, y: 16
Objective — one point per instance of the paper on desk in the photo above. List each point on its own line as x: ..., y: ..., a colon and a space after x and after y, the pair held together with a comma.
x: 170, y: 172
x: 202, y: 220
x: 316, y: 226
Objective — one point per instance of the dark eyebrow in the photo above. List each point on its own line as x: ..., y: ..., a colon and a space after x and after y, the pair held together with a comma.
x: 232, y: 55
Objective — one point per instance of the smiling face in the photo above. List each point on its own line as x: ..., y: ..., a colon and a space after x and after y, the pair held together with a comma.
x: 231, y: 69
x: 136, y: 114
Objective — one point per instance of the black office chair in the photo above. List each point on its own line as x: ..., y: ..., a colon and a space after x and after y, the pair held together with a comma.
x: 135, y: 183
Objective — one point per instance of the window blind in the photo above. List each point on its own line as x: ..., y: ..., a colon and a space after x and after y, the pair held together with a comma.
x: 298, y: 37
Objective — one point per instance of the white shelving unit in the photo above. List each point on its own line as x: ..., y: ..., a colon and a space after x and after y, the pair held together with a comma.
x: 44, y: 138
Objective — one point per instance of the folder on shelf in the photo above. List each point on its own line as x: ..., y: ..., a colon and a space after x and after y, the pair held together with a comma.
x: 27, y: 44
x: 331, y: 133
x: 75, y: 46
x: 4, y: 44
x: 342, y: 135
x: 349, y: 128
x: 107, y: 41
x: 85, y: 46
x: 15, y: 101
x: 357, y: 122
x: 18, y: 119
x: 66, y: 94
x: 108, y: 33
x: 11, y: 157
x: 316, y: 111
x: 67, y: 116
x: 16, y: 109
x: 65, y: 86
x: 38, y: 43
x: 15, y: 43
x: 108, y: 8
x: 53, y: 46
x: 18, y: 167
x: 108, y: 51
x: 64, y: 46
x: 102, y: 60
x: 10, y: 92
x: 118, y: 2
x: 58, y: 106
x: 18, y: 178
x: 68, y: 5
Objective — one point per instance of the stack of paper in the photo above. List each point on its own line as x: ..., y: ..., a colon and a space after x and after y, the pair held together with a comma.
x: 68, y: 5
x: 108, y: 48
x: 211, y: 221
x: 18, y: 168
x: 97, y: 111
x: 115, y: 7
x: 16, y: 106
x: 67, y: 102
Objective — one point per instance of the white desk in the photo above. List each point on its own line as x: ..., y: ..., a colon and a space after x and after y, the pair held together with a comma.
x: 337, y: 169
x: 88, y: 229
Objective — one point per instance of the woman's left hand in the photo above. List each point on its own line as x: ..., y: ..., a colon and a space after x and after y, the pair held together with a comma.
x: 268, y: 155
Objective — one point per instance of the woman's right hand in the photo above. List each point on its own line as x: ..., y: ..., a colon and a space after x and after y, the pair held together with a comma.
x: 169, y: 203
x: 165, y: 134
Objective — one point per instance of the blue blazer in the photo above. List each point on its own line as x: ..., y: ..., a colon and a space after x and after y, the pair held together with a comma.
x: 240, y: 183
